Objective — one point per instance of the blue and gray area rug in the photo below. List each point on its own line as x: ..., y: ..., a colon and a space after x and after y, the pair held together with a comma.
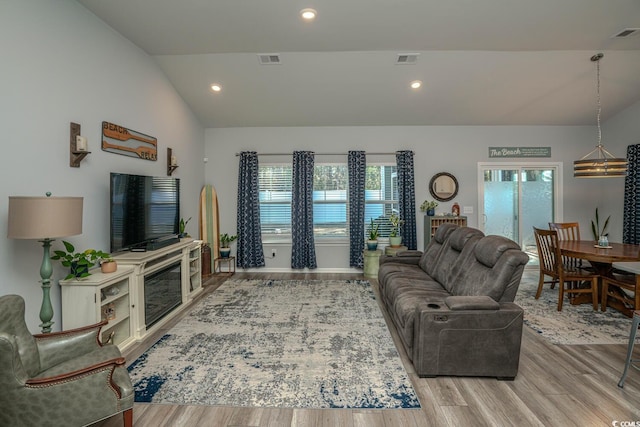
x: 265, y: 343
x: 575, y: 324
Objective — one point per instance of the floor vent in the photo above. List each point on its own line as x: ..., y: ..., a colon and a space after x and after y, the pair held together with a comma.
x: 407, y: 58
x: 627, y: 32
x: 269, y: 58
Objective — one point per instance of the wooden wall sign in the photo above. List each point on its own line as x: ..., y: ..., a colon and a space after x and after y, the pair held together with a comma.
x: 120, y: 140
x: 519, y: 152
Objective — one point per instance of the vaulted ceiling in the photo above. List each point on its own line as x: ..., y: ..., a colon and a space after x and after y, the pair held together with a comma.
x: 489, y: 62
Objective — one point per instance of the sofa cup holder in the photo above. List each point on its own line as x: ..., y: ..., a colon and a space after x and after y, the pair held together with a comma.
x: 433, y: 306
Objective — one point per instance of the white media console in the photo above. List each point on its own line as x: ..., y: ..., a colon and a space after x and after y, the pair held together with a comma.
x: 147, y: 290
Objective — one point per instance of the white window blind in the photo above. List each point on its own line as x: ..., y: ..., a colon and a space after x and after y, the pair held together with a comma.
x: 381, y: 197
x: 330, y: 199
x: 275, y: 201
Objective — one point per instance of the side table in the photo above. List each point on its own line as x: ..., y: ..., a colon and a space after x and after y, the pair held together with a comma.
x: 372, y: 263
x: 229, y: 261
x: 394, y: 251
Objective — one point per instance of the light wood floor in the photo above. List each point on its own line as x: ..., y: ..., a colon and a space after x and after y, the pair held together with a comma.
x: 557, y: 385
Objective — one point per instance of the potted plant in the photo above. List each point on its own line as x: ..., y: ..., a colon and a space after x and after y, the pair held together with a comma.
x: 225, y: 242
x: 429, y: 206
x: 108, y: 264
x: 395, y: 239
x: 372, y: 242
x: 79, y: 263
x: 182, y: 226
x: 599, y: 234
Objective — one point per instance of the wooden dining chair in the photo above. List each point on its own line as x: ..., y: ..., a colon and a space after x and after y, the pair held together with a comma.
x: 571, y: 280
x: 569, y: 231
x: 566, y: 230
x: 622, y: 285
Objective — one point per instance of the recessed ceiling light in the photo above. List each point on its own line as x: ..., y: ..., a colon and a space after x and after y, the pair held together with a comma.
x: 416, y: 84
x: 308, y: 14
x: 216, y: 87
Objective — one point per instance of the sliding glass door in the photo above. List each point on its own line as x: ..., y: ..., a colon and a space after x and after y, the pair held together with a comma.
x: 514, y: 198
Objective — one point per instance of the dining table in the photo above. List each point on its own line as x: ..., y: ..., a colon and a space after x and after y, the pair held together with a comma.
x: 601, y: 259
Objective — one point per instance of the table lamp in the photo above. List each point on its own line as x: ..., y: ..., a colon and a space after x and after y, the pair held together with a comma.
x: 43, y: 219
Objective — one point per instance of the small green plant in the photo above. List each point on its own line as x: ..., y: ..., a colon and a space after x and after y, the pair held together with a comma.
x: 396, y: 222
x: 428, y: 204
x: 595, y: 227
x: 183, y: 225
x: 226, y: 239
x: 79, y: 263
x: 373, y: 230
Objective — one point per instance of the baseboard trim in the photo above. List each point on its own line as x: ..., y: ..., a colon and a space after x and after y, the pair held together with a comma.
x: 306, y: 270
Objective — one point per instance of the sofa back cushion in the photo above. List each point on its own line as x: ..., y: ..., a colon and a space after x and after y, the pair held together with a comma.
x: 494, y: 268
x: 458, y: 240
x: 434, y: 247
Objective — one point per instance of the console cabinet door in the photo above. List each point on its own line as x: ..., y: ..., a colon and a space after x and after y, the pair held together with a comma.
x: 101, y: 297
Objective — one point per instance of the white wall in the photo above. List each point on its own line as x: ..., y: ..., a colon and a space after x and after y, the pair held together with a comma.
x: 618, y: 132
x: 452, y: 149
x: 61, y: 64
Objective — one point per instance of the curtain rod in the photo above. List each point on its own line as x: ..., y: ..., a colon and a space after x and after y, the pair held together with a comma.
x: 322, y: 154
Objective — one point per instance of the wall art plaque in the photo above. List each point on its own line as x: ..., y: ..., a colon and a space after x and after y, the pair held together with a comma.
x: 519, y: 152
x: 120, y: 140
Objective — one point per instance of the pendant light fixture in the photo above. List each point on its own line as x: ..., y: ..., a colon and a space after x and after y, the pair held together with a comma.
x: 599, y: 163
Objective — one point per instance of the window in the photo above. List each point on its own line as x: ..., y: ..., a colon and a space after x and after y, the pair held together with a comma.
x: 381, y: 197
x: 275, y: 201
x: 330, y: 199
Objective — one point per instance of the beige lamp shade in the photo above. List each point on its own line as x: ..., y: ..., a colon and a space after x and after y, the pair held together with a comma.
x: 44, y: 217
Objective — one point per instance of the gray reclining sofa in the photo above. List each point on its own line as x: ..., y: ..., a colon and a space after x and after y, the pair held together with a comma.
x: 453, y: 304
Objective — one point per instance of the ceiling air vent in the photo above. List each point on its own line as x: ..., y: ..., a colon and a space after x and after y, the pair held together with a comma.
x: 407, y: 58
x: 269, y: 58
x: 627, y: 32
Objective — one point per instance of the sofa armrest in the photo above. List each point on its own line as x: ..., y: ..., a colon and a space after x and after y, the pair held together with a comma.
x: 409, y: 252
x: 481, y: 302
x: 467, y: 342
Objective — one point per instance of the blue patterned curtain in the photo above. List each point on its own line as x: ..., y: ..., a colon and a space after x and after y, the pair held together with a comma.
x: 303, y: 251
x: 357, y: 166
x: 250, y: 253
x: 631, y: 221
x: 407, y: 198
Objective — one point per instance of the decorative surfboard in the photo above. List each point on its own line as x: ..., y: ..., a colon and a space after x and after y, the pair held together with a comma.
x: 209, y: 221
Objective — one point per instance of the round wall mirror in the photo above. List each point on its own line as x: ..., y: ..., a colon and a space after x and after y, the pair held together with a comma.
x: 443, y: 186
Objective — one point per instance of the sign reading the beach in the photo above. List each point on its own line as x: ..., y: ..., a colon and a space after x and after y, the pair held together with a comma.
x: 519, y: 151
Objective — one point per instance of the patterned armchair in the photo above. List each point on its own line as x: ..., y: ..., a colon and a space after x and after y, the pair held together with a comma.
x: 64, y: 378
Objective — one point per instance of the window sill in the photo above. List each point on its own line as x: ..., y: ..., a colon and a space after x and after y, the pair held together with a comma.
x: 319, y: 241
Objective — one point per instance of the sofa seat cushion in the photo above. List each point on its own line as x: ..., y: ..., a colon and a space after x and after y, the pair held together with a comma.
x: 405, y: 282
x: 392, y: 269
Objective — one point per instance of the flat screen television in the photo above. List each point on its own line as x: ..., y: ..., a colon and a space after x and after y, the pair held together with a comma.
x: 145, y: 210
